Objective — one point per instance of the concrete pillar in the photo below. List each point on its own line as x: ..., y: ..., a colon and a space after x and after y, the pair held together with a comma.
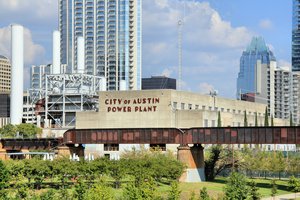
x: 193, y: 158
x: 26, y: 156
x: 3, y: 155
x: 66, y: 151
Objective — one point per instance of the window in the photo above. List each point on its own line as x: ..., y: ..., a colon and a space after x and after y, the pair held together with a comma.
x: 209, y: 108
x: 203, y: 107
x: 196, y: 107
x: 182, y: 106
x: 222, y: 109
x: 111, y: 147
x: 205, y: 122
x: 190, y: 106
x: 174, y: 105
x: 213, y: 123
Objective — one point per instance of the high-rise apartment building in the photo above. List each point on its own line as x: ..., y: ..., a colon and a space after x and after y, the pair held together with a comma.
x: 296, y: 36
x: 112, y: 38
x: 260, y: 80
x: 257, y: 65
x: 5, y: 74
x: 286, y: 94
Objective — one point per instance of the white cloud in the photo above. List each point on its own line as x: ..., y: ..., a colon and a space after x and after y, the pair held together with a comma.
x: 32, y: 52
x: 211, y: 46
x: 205, y: 88
x: 266, y: 24
x: 167, y: 72
x: 43, y: 9
x: 284, y: 64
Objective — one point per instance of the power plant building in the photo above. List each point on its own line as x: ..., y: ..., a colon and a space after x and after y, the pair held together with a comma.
x: 111, y: 31
x: 166, y: 109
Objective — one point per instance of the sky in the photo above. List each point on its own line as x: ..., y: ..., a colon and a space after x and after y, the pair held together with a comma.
x: 214, y: 35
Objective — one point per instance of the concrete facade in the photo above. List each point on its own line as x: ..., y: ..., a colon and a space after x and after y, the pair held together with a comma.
x: 168, y: 109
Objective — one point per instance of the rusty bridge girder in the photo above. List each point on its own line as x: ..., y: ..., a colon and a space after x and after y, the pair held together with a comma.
x: 220, y: 135
x: 30, y: 143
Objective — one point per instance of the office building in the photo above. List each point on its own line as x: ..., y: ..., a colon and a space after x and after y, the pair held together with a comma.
x: 5, y: 74
x: 257, y: 65
x: 111, y: 30
x: 296, y: 36
x: 158, y: 82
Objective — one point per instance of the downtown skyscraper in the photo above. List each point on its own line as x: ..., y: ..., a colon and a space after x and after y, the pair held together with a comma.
x: 112, y: 39
x: 296, y: 36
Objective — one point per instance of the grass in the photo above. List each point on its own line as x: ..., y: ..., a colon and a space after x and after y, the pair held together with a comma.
x: 216, y: 188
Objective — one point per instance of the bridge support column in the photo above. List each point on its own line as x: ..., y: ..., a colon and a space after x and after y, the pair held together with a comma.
x: 3, y: 155
x: 193, y: 158
x: 67, y: 151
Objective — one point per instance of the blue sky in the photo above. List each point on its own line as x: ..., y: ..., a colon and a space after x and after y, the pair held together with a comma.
x: 215, y: 33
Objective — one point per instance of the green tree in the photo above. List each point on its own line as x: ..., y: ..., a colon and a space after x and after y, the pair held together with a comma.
x: 4, y: 178
x: 8, y: 130
x: 256, y: 120
x: 266, y: 117
x: 294, y: 185
x: 272, y: 120
x: 28, y: 130
x: 236, y: 187
x: 245, y: 119
x: 203, y: 194
x: 80, y: 189
x: 273, y: 188
x: 99, y: 192
x: 174, y: 193
x: 253, y: 191
x: 50, y: 194
x: 219, y: 119
x: 291, y: 119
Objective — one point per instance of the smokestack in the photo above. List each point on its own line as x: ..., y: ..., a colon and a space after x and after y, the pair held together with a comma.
x: 103, y: 84
x: 17, y: 66
x: 80, y: 55
x: 56, y: 53
x: 122, y: 85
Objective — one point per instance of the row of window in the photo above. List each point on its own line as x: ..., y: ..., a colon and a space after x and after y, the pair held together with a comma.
x: 184, y: 106
x: 213, y: 123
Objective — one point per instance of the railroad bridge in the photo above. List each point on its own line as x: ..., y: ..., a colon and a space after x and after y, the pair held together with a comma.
x: 190, y: 140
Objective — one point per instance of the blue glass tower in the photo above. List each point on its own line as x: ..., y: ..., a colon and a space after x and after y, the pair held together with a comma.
x: 296, y: 36
x: 257, y: 50
x: 112, y: 34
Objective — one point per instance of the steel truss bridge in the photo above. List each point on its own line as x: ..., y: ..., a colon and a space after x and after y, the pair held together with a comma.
x: 197, y: 135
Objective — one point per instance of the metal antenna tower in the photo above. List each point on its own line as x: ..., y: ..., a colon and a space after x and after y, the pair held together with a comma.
x: 180, y: 23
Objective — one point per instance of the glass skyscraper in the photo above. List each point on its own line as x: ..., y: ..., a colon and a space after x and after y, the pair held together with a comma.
x: 256, y: 51
x: 112, y: 33
x: 296, y: 36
